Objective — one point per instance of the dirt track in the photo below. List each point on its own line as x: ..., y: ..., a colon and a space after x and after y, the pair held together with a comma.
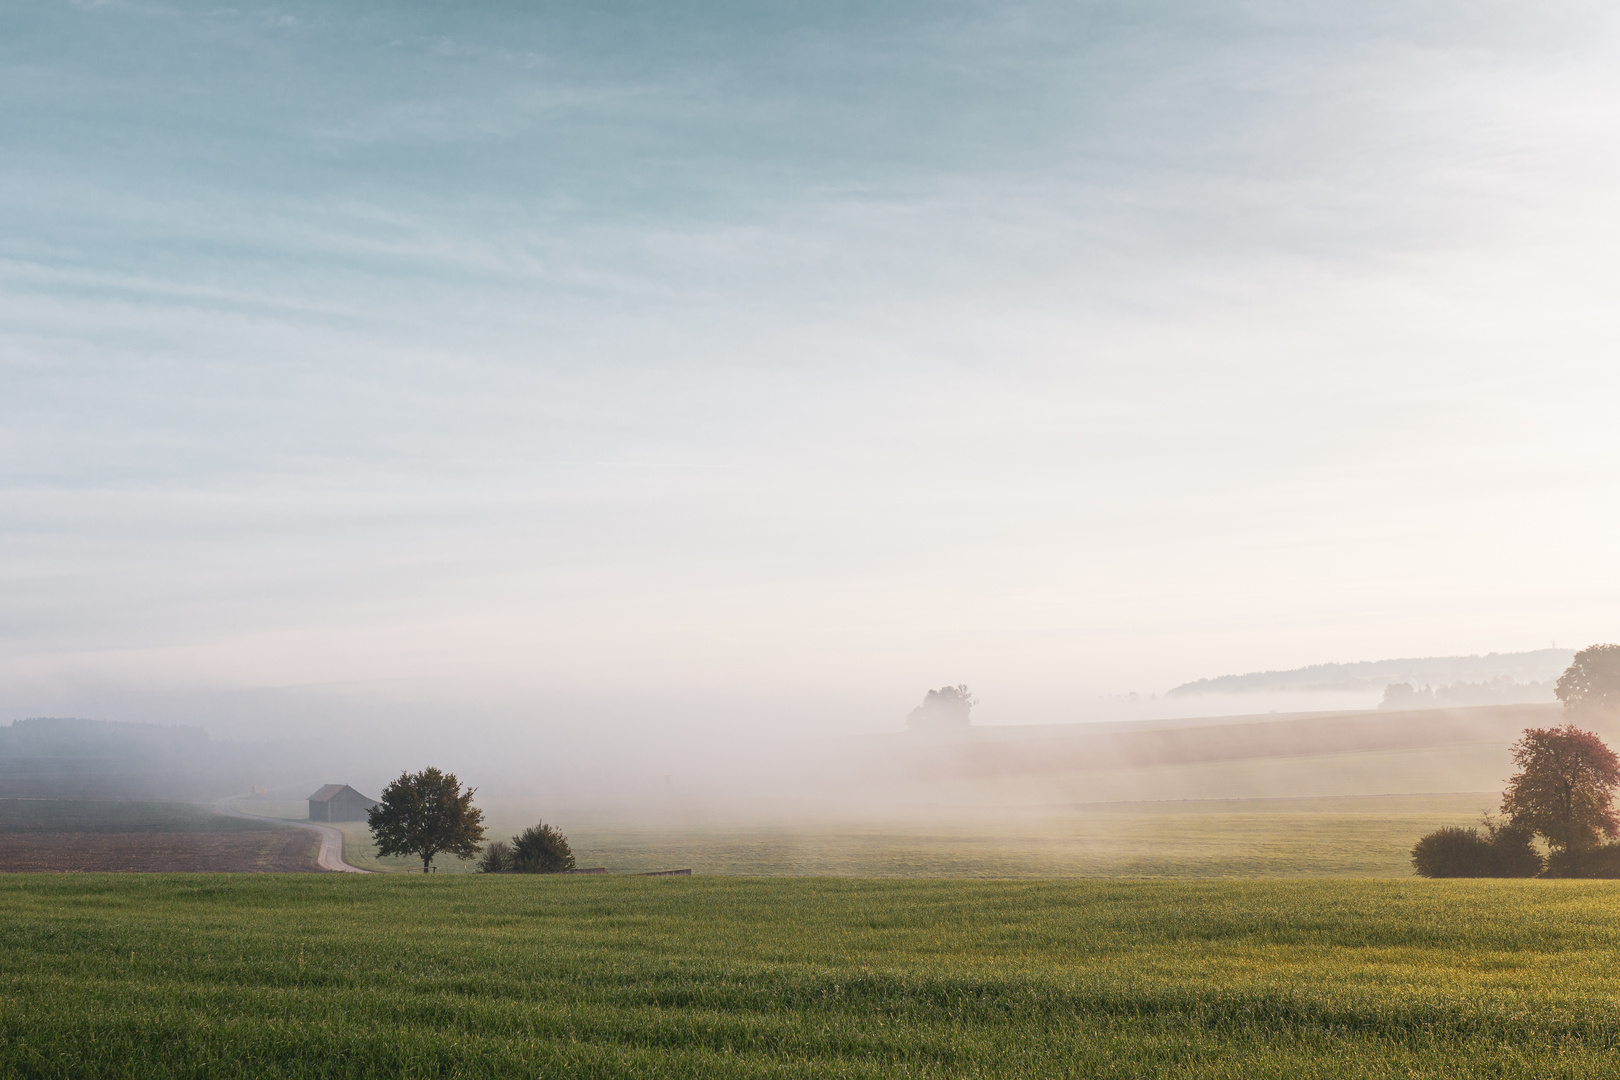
x: 330, y: 855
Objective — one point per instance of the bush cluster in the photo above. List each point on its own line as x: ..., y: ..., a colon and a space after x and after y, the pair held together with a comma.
x: 1602, y: 861
x: 539, y: 849
x: 496, y: 859
x: 1506, y: 852
x: 1455, y: 852
x: 1563, y: 792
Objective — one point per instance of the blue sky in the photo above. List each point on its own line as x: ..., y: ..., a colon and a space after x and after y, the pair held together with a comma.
x: 554, y: 362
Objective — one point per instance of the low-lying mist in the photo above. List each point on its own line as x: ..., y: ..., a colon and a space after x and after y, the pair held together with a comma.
x: 692, y: 761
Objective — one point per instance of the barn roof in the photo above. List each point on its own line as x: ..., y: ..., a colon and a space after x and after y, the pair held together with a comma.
x: 331, y: 791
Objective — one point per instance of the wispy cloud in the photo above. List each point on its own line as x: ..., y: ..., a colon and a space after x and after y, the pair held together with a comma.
x: 608, y: 349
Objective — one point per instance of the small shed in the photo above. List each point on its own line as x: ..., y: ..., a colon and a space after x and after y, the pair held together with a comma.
x: 339, y: 802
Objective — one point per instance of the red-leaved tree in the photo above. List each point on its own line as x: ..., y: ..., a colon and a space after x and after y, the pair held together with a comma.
x: 1564, y: 789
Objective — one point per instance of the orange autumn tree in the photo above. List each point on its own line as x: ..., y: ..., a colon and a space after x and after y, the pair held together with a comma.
x: 1564, y: 789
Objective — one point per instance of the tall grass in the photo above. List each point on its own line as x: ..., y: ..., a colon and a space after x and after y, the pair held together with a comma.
x: 328, y: 976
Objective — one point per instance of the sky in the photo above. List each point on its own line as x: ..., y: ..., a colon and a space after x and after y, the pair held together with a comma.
x: 645, y: 369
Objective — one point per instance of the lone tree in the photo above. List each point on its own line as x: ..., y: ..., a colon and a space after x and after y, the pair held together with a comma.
x: 1592, y: 681
x: 1564, y: 789
x: 541, y: 849
x: 943, y: 709
x: 424, y: 814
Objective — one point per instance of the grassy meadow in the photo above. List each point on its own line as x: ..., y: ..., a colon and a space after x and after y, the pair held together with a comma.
x: 1340, y: 795
x: 1362, y: 837
x: 1334, y: 837
x: 451, y: 976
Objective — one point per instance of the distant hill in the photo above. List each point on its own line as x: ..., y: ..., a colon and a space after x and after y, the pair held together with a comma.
x: 1528, y: 667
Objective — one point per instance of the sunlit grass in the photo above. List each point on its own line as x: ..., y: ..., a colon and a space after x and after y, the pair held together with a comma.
x: 1369, y: 837
x: 326, y: 975
x: 1366, y: 837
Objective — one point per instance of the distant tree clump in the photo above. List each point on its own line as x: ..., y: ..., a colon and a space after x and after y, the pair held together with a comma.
x: 1592, y: 682
x: 1501, y: 690
x: 1564, y: 789
x: 541, y: 849
x: 427, y: 814
x: 497, y: 858
x: 944, y: 709
x: 1503, y: 850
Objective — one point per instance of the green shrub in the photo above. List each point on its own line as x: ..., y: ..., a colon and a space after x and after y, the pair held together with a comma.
x: 1512, y: 852
x: 1455, y: 852
x: 497, y: 858
x: 1602, y: 861
x: 1452, y: 852
x: 541, y: 849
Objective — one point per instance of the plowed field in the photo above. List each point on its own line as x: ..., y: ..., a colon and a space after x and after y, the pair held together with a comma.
x: 159, y: 852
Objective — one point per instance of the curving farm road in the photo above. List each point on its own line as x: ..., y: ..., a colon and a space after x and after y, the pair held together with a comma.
x: 330, y: 857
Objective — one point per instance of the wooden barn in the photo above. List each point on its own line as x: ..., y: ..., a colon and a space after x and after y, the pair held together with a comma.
x: 339, y: 802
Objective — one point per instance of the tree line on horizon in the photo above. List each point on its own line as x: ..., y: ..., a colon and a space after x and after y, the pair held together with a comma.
x: 1562, y: 794
x: 1501, y: 690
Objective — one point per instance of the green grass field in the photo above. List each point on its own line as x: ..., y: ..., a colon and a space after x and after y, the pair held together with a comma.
x: 1340, y: 837
x: 1367, y: 837
x: 396, y: 976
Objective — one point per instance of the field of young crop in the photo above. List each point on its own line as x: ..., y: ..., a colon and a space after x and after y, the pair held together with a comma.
x: 399, y: 975
x: 1358, y: 837
x: 1355, y: 837
x: 1366, y: 837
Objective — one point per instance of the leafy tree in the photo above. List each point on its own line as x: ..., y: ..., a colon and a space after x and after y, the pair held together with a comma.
x: 943, y: 709
x: 541, y: 849
x: 497, y: 858
x: 1564, y: 789
x: 427, y: 813
x: 1592, y: 681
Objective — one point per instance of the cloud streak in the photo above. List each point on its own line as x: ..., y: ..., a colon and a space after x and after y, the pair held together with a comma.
x: 544, y: 353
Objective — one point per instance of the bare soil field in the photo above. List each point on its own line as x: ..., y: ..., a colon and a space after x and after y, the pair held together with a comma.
x: 159, y: 852
x: 60, y: 835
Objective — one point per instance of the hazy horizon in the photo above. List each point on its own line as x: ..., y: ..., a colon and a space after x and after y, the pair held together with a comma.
x: 624, y: 378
